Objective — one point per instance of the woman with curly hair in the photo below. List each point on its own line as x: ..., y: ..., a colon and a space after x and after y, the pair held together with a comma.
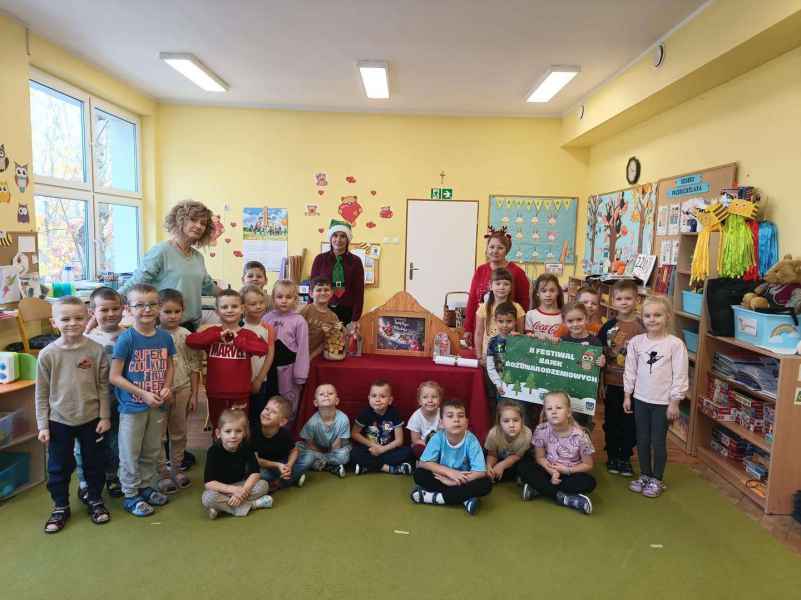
x: 176, y: 263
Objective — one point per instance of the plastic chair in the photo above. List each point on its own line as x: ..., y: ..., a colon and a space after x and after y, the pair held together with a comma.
x: 32, y: 310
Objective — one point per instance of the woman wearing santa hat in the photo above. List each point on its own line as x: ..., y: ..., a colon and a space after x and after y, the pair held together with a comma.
x: 345, y: 270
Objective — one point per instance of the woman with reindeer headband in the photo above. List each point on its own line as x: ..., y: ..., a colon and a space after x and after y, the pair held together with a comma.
x: 498, y: 244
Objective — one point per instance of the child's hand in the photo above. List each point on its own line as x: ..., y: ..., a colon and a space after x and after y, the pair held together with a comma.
x: 673, y: 411
x: 44, y: 436
x: 496, y: 472
x: 150, y: 399
x: 286, y: 472
x: 627, y: 405
x: 255, y: 385
x: 376, y: 450
x: 103, y: 426
x: 227, y: 336
x: 165, y: 394
x: 446, y: 480
x: 601, y: 362
x: 556, y: 479
x: 192, y: 404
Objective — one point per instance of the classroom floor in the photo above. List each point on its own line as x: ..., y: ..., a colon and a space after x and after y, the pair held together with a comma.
x: 361, y: 537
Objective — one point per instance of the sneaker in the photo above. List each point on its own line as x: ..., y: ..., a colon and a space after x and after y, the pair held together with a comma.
x: 338, y: 470
x: 359, y: 469
x: 613, y: 466
x: 153, y: 497
x: 320, y: 465
x: 417, y: 495
x: 213, y: 513
x: 188, y: 462
x: 528, y: 492
x: 653, y: 489
x: 625, y: 468
x: 471, y: 506
x: 265, y: 501
x: 638, y: 485
x: 578, y: 502
x: 83, y: 495
x: 301, y: 480
x: 401, y: 469
x: 182, y: 481
x: 167, y: 486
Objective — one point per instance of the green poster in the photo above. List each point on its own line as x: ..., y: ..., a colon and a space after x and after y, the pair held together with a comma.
x: 533, y: 367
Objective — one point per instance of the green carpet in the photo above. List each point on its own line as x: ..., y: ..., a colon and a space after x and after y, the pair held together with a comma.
x: 336, y: 539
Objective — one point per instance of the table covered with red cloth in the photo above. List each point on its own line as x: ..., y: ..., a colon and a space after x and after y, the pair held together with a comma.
x: 352, y: 378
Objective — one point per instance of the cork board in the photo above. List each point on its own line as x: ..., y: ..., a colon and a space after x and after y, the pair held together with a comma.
x: 10, y: 246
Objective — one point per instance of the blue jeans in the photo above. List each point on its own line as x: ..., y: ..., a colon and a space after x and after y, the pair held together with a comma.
x: 360, y: 455
x: 308, y: 458
x: 271, y: 475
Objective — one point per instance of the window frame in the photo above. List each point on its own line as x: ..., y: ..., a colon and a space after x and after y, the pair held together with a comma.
x: 87, y: 191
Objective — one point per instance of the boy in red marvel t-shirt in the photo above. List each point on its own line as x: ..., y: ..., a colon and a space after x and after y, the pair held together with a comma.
x: 229, y: 349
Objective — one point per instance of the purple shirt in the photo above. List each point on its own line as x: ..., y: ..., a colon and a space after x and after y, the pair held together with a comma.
x: 567, y: 450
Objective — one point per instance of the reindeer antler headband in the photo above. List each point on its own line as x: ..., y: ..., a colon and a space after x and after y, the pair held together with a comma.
x: 492, y: 232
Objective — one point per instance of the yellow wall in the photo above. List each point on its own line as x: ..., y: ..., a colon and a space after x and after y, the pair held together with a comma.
x: 268, y: 158
x: 754, y: 120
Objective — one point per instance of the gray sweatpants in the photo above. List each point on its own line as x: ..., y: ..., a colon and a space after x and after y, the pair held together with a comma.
x: 652, y: 426
x: 140, y: 448
x: 309, y: 458
x: 219, y: 500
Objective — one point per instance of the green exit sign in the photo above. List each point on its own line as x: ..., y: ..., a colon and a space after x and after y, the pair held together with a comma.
x: 441, y: 193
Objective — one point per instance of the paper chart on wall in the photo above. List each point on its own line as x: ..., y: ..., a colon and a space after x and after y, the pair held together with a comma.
x: 674, y: 223
x: 9, y: 285
x: 268, y: 252
x: 265, y: 223
x: 662, y: 220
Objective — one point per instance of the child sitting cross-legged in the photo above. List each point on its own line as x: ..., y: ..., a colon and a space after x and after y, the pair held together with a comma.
x: 563, y: 453
x: 325, y: 438
x: 275, y: 449
x: 233, y: 483
x: 452, y: 468
x: 507, y: 442
x: 424, y: 422
x: 378, y: 436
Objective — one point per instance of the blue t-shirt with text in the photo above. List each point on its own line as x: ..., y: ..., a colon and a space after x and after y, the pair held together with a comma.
x: 145, y: 361
x: 467, y: 455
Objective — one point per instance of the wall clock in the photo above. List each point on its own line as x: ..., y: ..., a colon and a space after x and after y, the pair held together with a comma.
x: 633, y: 170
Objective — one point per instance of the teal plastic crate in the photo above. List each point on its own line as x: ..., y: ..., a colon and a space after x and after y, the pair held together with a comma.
x: 690, y: 340
x: 14, y: 471
x: 692, y: 303
x: 777, y: 333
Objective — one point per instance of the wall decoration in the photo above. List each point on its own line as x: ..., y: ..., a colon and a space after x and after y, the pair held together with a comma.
x: 401, y: 333
x: 663, y: 214
x: 217, y: 229
x: 3, y: 158
x: 9, y: 285
x: 320, y: 192
x: 5, y: 195
x: 674, y: 220
x: 350, y: 179
x: 238, y: 253
x: 212, y: 254
x: 265, y: 232
x: 21, y: 177
x: 386, y: 212
x: 233, y: 223
x: 620, y: 226
x: 227, y: 240
x: 375, y: 251
x: 312, y: 210
x: 350, y: 209
x: 369, y: 224
x: 23, y: 214
x: 373, y: 192
x: 543, y: 228
x: 320, y: 230
x: 320, y: 179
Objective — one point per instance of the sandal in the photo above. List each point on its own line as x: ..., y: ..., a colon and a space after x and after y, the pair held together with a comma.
x: 137, y: 507
x: 153, y: 497
x: 99, y: 513
x: 114, y: 488
x: 83, y: 495
x: 182, y: 480
x: 58, y: 518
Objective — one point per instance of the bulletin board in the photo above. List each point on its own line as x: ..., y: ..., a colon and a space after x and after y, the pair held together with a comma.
x: 620, y: 225
x: 19, y: 266
x: 543, y: 228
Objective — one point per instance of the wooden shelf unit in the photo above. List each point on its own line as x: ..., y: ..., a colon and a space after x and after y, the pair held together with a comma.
x: 784, y: 475
x: 20, y: 395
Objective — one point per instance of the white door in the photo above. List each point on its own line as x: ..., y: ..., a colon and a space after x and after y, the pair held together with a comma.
x: 440, y: 249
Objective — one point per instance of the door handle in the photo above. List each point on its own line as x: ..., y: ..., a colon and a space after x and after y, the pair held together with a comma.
x: 412, y: 269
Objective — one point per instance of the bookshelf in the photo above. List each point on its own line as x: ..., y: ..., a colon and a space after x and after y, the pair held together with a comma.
x: 19, y: 395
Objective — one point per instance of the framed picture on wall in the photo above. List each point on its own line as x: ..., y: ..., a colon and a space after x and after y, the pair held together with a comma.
x: 401, y: 333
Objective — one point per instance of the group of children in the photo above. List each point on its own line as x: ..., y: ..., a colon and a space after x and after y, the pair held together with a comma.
x: 115, y: 398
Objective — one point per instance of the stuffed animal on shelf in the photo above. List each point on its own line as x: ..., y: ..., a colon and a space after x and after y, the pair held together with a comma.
x: 782, y: 287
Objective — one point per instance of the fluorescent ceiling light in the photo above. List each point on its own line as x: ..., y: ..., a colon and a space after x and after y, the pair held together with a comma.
x: 552, y: 82
x: 375, y: 78
x: 195, y: 71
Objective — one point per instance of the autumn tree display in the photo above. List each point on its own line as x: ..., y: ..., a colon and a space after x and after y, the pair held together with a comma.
x: 643, y: 212
x: 593, y: 214
x: 613, y: 221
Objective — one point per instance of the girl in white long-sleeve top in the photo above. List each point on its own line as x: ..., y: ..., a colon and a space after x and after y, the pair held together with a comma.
x: 656, y: 378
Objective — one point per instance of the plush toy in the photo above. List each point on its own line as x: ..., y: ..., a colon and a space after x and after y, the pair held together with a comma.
x: 782, y: 287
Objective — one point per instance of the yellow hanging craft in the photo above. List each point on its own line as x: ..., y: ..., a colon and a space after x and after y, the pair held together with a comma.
x: 538, y: 203
x: 710, y: 219
x: 566, y: 203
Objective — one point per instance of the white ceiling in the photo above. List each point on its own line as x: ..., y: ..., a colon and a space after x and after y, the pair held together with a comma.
x: 466, y: 57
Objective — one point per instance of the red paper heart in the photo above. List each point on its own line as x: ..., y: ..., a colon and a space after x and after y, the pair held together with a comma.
x: 227, y: 240
x: 212, y: 254
x: 373, y: 192
x: 370, y: 224
x: 321, y: 192
x: 238, y: 253
x: 233, y: 224
x: 321, y: 230
x: 350, y: 179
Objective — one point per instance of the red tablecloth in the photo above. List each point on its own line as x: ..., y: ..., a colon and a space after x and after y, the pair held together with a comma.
x: 352, y: 378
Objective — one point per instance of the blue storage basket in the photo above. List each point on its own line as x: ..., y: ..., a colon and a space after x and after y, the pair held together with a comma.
x: 14, y: 471
x: 690, y: 340
x: 776, y: 332
x: 692, y: 303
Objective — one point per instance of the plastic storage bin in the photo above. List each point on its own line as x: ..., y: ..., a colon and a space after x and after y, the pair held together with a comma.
x: 777, y: 333
x: 10, y: 425
x: 14, y: 471
x: 692, y: 303
x: 690, y: 340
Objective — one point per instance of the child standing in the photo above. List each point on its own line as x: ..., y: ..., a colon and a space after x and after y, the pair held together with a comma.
x: 231, y: 476
x: 501, y: 290
x: 575, y: 317
x: 507, y: 442
x: 591, y: 299
x: 142, y: 371
x: 615, y: 336
x: 254, y: 273
x: 424, y: 422
x: 319, y: 317
x: 544, y: 319
x: 264, y: 384
x: 452, y: 468
x: 505, y: 315
x: 185, y: 384
x: 72, y: 404
x: 229, y: 348
x: 105, y: 305
x: 293, y: 331
x: 378, y: 436
x: 275, y: 450
x: 325, y: 438
x: 656, y: 377
x: 563, y: 453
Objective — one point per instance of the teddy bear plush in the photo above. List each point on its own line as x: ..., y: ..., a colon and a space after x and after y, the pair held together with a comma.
x: 781, y: 288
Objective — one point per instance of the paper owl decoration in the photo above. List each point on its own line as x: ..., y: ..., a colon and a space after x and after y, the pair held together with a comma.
x: 21, y: 176
x: 5, y: 195
x: 23, y: 216
x: 3, y: 158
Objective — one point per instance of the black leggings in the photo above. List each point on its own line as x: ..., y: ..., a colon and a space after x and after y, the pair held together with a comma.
x: 533, y: 474
x: 618, y: 425
x: 652, y: 427
x: 453, y: 494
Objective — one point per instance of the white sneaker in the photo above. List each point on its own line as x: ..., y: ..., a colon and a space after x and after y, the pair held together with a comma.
x: 265, y: 501
x: 213, y: 513
x: 301, y: 480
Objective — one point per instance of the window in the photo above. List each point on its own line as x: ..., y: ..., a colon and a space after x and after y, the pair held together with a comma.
x: 86, y: 168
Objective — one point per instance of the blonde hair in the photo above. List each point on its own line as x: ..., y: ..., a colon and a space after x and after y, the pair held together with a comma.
x: 429, y: 384
x: 286, y: 284
x: 564, y: 396
x: 508, y: 405
x: 189, y: 209
x: 664, y: 303
x: 232, y: 415
x: 251, y: 289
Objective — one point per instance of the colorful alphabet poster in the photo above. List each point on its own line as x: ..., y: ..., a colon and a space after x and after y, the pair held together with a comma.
x: 543, y: 229
x: 620, y: 226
